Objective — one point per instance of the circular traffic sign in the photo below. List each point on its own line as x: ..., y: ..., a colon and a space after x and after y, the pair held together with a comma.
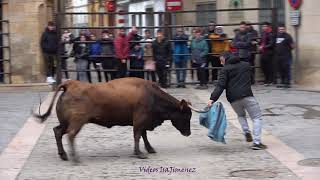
x: 295, y: 3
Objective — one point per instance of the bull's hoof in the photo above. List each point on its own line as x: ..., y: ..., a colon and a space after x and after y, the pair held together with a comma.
x: 151, y: 150
x: 142, y: 156
x: 64, y: 156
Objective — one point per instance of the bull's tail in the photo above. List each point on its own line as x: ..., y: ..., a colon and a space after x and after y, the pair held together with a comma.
x: 44, y: 116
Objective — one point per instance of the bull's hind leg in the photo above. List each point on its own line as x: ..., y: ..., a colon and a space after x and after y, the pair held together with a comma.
x: 73, y: 130
x: 59, y: 131
x: 147, y: 145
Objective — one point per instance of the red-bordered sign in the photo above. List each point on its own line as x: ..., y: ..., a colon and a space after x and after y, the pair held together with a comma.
x: 295, y: 3
x: 173, y: 5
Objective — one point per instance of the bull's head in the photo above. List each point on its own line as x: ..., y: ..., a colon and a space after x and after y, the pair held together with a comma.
x: 181, y: 119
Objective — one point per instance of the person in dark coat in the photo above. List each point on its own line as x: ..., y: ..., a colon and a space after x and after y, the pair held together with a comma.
x: 136, y: 61
x: 242, y: 42
x: 283, y: 56
x: 253, y: 34
x: 235, y: 78
x: 81, y: 53
x: 49, y: 45
x: 107, y: 49
x: 76, y: 42
x: 162, y: 55
x: 210, y: 58
x: 134, y: 37
x: 266, y: 48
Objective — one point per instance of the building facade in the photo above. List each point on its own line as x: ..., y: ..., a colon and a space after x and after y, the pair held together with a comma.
x: 26, y: 20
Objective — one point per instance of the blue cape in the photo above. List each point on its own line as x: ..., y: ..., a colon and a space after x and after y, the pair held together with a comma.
x: 216, y: 122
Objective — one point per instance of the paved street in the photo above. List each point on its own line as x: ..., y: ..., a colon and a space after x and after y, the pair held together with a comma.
x: 290, y: 116
x: 15, y: 109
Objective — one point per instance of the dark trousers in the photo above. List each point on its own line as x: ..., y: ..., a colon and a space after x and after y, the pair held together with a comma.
x: 1, y: 71
x: 162, y: 74
x: 138, y: 74
x: 64, y: 67
x: 49, y: 61
x: 284, y: 69
x: 192, y: 71
x: 194, y: 65
x: 93, y: 61
x: 181, y: 74
x: 201, y: 73
x: 215, y: 62
x: 151, y: 75
x: 121, y: 69
x: 108, y: 64
x: 253, y: 70
x: 267, y: 67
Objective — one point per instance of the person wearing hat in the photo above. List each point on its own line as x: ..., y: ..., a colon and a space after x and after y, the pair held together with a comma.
x: 235, y: 78
x: 218, y: 45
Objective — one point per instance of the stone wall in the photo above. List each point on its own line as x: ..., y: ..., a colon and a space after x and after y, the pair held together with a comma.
x: 308, y: 72
x: 27, y: 21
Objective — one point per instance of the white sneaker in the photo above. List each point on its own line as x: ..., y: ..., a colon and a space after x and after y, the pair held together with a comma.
x: 50, y: 80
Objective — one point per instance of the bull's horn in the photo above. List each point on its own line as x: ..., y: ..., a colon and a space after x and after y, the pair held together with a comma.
x: 198, y: 110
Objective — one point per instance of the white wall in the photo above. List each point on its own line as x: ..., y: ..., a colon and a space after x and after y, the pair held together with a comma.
x: 157, y: 5
x: 80, y: 6
x: 309, y: 47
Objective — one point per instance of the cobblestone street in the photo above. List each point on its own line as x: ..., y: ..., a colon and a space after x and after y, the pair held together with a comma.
x: 107, y: 153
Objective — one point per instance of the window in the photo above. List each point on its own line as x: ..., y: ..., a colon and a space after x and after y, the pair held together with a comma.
x: 267, y: 15
x: 203, y: 18
x: 150, y: 19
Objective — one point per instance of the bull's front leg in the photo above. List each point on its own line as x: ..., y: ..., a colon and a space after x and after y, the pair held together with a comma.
x: 137, y: 135
x: 147, y: 144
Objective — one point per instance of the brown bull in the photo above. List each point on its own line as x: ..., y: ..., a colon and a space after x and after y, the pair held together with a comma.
x: 123, y: 102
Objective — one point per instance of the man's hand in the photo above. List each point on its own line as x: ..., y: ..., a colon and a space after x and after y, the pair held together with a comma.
x: 210, y: 103
x: 123, y: 61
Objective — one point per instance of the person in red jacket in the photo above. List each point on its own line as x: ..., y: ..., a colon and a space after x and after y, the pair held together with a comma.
x: 121, y: 45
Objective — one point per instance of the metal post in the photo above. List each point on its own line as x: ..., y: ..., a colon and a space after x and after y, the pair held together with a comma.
x: 167, y: 23
x: 297, y: 55
x: 274, y: 32
x: 60, y: 9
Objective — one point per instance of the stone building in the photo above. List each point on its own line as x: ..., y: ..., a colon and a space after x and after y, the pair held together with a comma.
x: 26, y: 22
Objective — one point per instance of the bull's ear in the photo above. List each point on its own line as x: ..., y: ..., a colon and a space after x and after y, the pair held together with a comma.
x: 183, y: 104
